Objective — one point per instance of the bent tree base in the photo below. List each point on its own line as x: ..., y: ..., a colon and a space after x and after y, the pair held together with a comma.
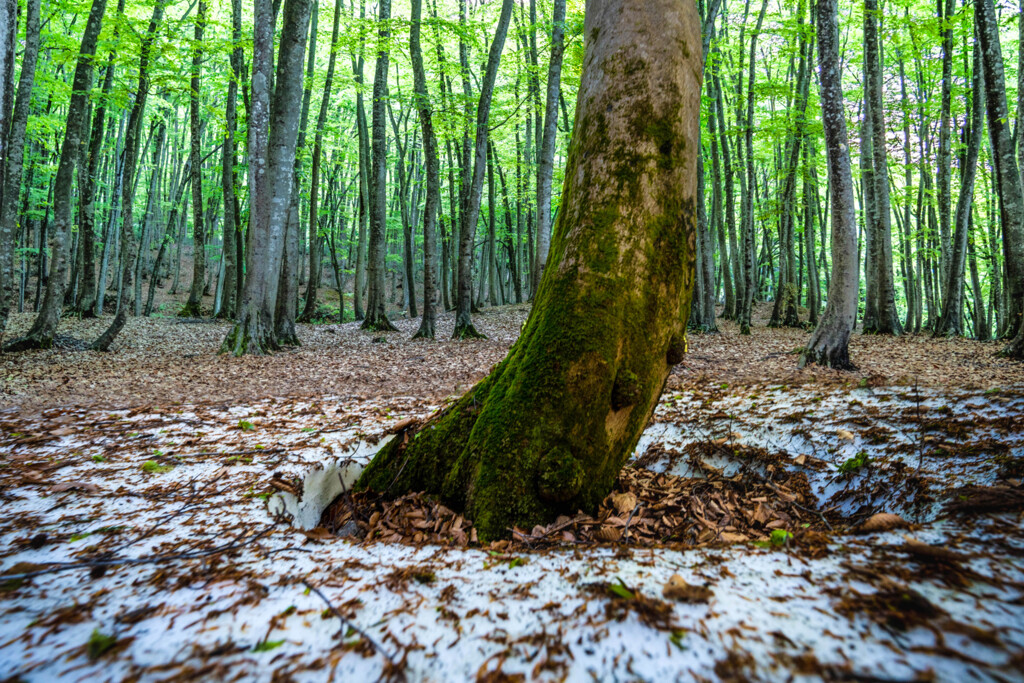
x: 549, y: 429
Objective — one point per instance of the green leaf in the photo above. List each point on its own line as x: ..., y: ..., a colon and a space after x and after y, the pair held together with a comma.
x: 153, y: 467
x: 267, y: 645
x: 245, y: 425
x: 780, y: 537
x: 619, y: 589
x: 99, y: 643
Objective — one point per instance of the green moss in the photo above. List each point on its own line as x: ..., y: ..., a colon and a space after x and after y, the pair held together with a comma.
x: 549, y: 429
x: 559, y: 476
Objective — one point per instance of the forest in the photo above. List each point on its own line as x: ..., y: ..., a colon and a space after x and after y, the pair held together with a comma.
x: 494, y: 340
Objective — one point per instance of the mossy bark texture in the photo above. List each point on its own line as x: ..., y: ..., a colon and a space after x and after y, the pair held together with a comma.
x: 549, y: 429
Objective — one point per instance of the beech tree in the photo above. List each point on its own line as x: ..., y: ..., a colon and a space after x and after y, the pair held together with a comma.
x: 548, y: 430
x: 40, y: 336
x: 829, y: 344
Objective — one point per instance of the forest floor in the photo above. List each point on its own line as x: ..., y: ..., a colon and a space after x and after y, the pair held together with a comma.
x: 172, y: 514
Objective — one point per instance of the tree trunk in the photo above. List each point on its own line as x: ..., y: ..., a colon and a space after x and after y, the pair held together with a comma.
x: 829, y: 343
x: 945, y: 13
x: 315, y: 240
x: 546, y: 163
x: 194, y: 306
x: 950, y: 322
x: 888, y: 321
x: 286, y: 309
x: 548, y: 431
x: 433, y: 164
x: 376, y: 315
x: 749, y: 266
x: 232, y: 242
x: 471, y: 207
x: 271, y: 167
x: 45, y: 326
x: 131, y: 154
x: 1006, y: 171
x: 12, y: 148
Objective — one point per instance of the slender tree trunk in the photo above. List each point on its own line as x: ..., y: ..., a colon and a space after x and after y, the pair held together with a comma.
x: 364, y: 181
x: 471, y: 213
x: 546, y: 163
x: 829, y: 343
x: 950, y: 322
x: 749, y: 266
x: 547, y: 432
x: 315, y: 239
x: 945, y: 11
x: 232, y: 241
x: 432, y: 162
x: 1006, y: 170
x: 888, y: 321
x: 194, y: 306
x: 45, y: 326
x: 131, y: 153
x: 376, y: 314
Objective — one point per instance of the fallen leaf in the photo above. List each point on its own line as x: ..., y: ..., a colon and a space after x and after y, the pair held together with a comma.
x: 677, y: 589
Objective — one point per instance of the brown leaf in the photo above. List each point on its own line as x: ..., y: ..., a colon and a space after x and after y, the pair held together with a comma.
x: 882, y: 521
x: 677, y: 589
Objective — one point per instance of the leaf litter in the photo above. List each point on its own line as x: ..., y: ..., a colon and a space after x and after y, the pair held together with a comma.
x: 735, y: 545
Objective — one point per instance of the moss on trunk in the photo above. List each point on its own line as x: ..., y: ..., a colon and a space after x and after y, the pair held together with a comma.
x: 551, y: 426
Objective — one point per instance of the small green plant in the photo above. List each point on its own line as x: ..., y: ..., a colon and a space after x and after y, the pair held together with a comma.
x: 619, y: 590
x: 98, y: 458
x: 780, y: 537
x: 99, y: 643
x: 246, y: 426
x: 855, y: 463
x: 153, y: 467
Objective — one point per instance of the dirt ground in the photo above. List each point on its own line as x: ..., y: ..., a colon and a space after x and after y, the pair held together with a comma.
x: 168, y: 360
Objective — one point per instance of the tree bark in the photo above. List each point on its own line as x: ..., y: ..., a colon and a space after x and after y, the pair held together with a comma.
x: 546, y: 163
x: 888, y: 321
x: 231, y: 246
x: 945, y: 12
x: 271, y: 167
x: 12, y: 151
x: 194, y: 306
x: 1006, y: 171
x: 829, y: 343
x: 747, y: 227
x: 433, y: 164
x: 376, y: 315
x: 40, y: 336
x: 315, y: 239
x: 131, y: 153
x: 548, y: 431
x: 470, y: 213
x: 950, y: 321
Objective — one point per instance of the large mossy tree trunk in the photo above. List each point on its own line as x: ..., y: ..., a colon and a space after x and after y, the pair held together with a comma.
x: 549, y: 429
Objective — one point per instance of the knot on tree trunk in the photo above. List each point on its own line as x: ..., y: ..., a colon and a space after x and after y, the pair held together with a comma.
x: 559, y: 476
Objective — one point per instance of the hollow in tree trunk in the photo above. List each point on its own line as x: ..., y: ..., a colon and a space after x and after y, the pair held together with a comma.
x: 549, y: 429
